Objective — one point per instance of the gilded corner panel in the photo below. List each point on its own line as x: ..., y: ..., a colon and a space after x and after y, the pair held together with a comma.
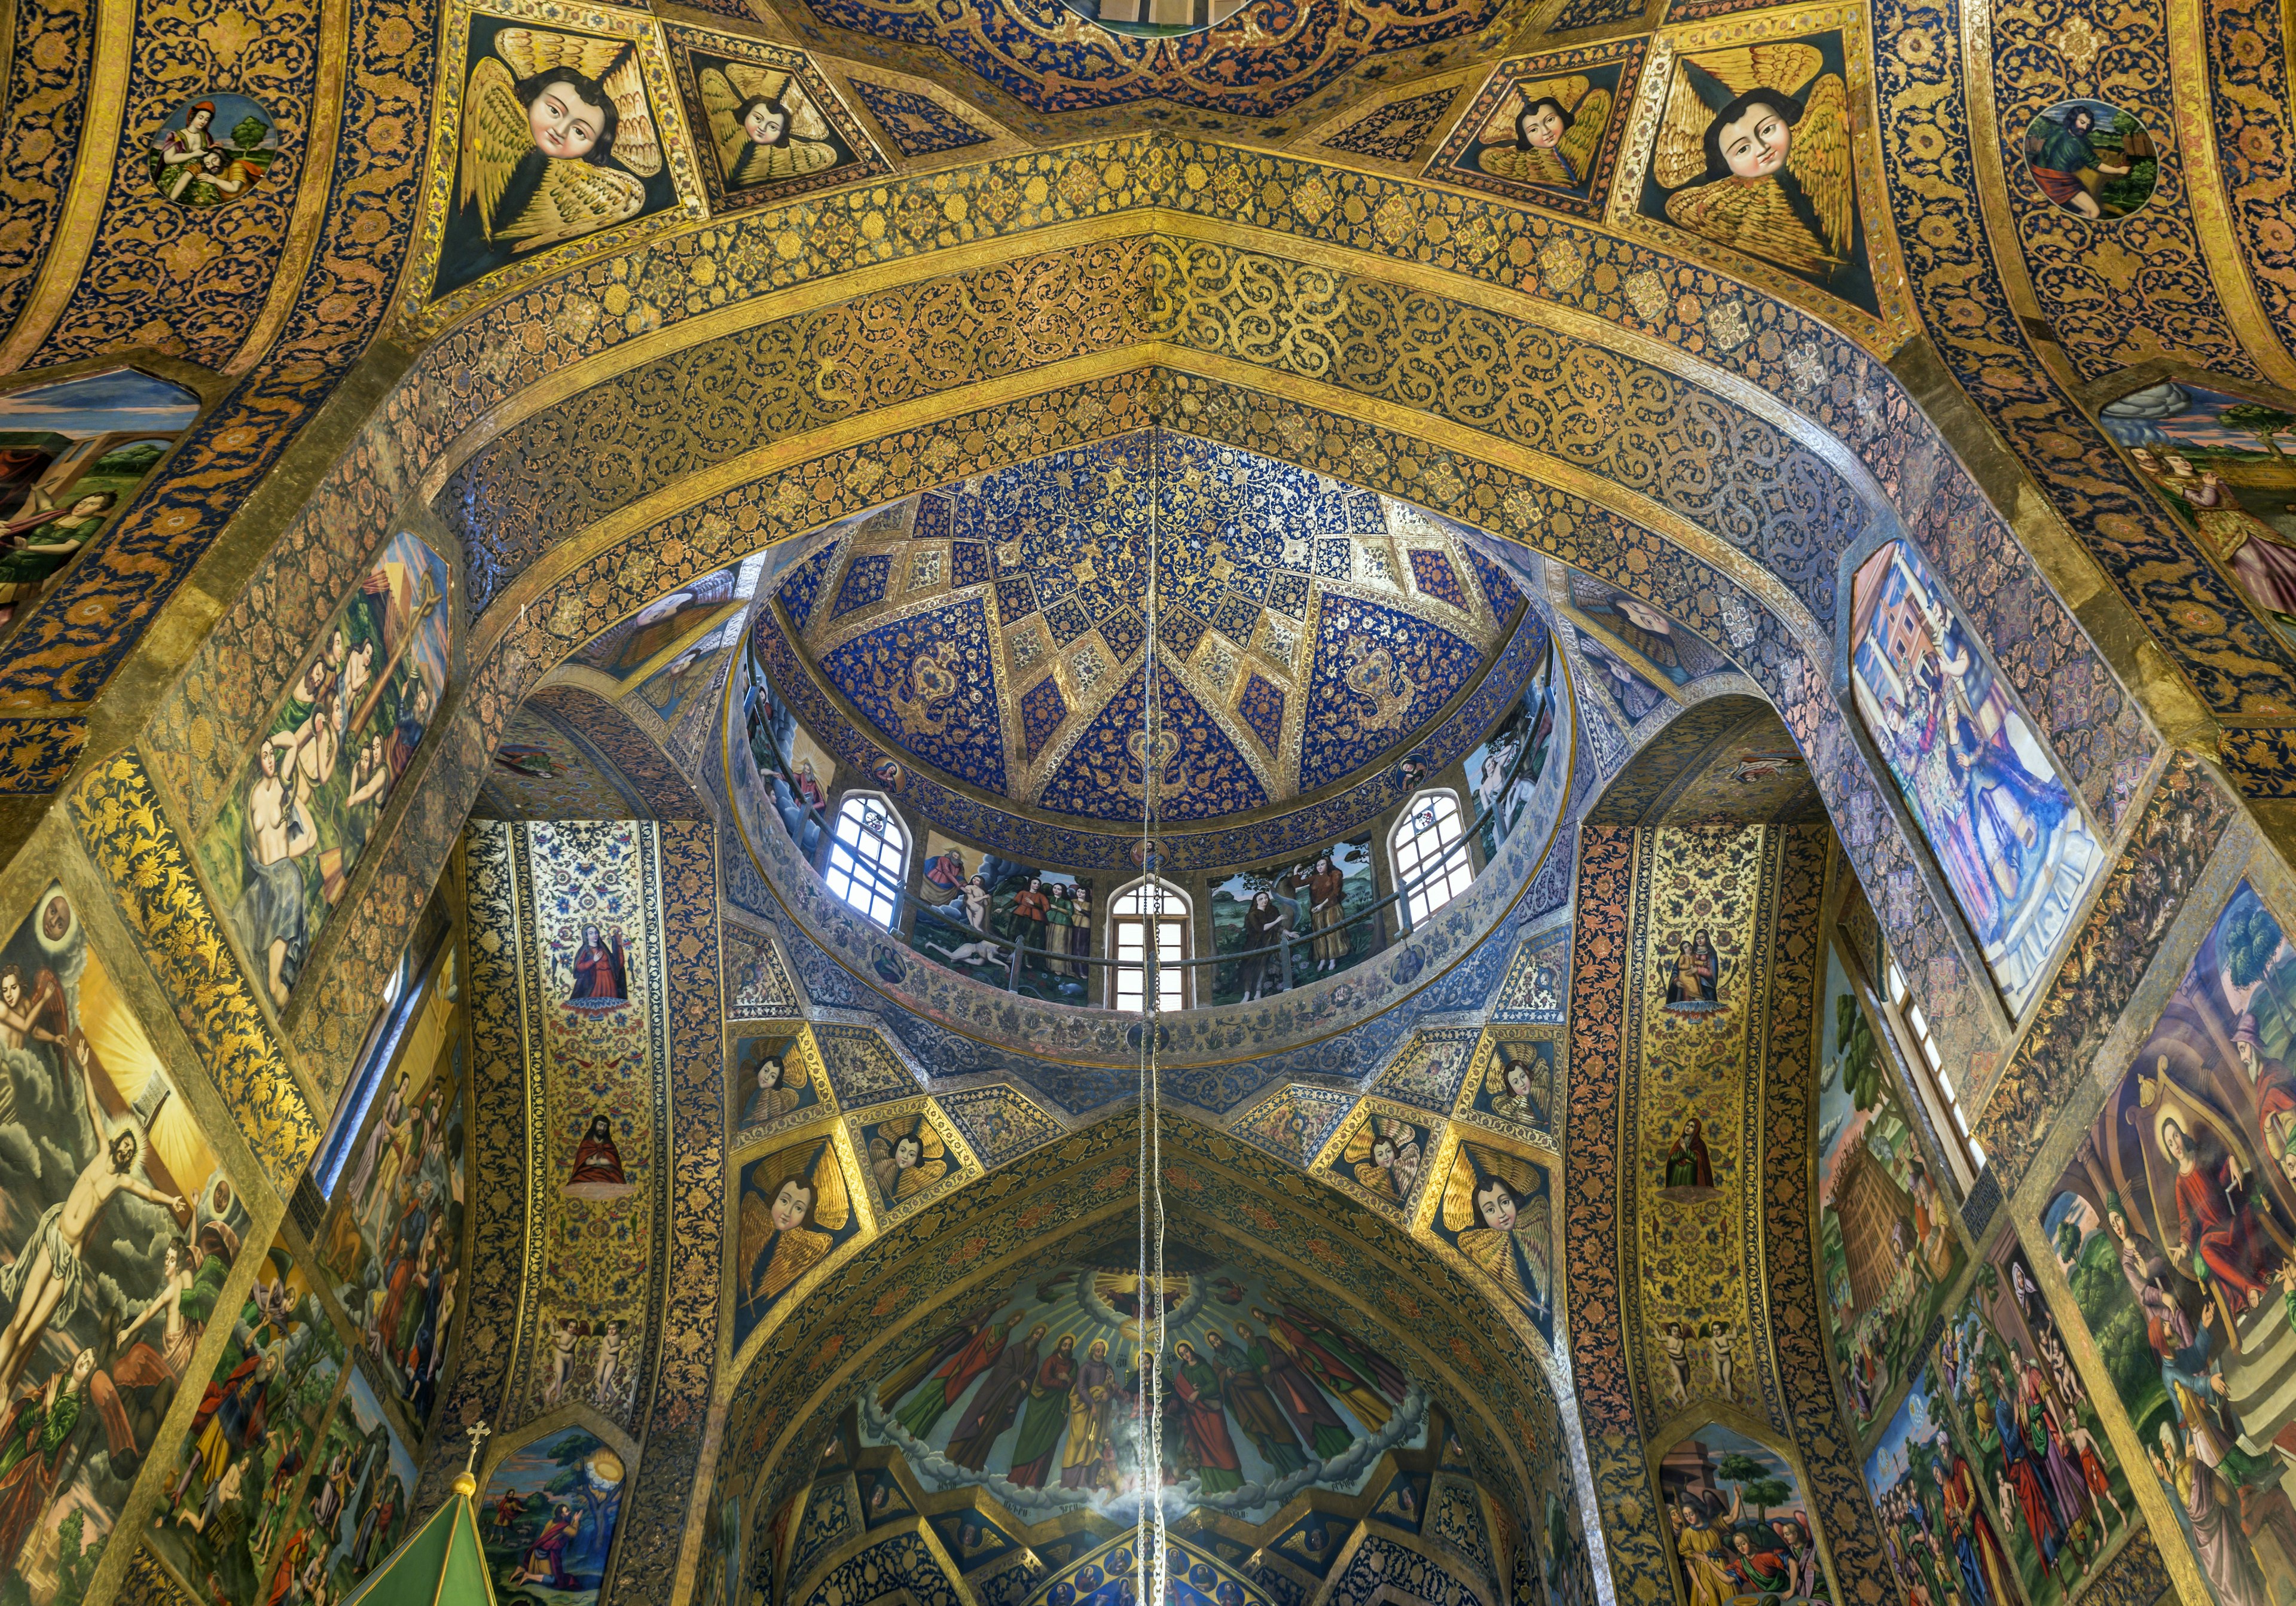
x: 1546, y: 130
x: 1491, y: 1203
x: 912, y: 1155
x: 767, y: 124
x: 774, y: 1079
x: 1378, y: 1155
x: 1794, y: 206
x: 522, y: 182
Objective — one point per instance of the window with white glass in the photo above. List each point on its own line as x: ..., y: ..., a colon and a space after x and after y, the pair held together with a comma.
x: 869, y: 856
x: 1428, y: 849
x: 1937, y: 1091
x: 1144, y: 912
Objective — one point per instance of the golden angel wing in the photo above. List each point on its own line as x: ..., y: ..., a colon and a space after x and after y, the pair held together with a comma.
x: 1531, y: 166
x: 1359, y: 1145
x: 495, y: 138
x: 1459, y: 1194
x: 1520, y: 1176
x: 833, y: 1203
x: 805, y: 119
x: 1590, y: 120
x: 637, y: 144
x: 1819, y: 158
x: 574, y: 198
x: 532, y: 50
x: 1498, y: 129
x: 1680, y: 153
x: 928, y: 1140
x: 1535, y: 1223
x: 1755, y: 218
x: 1783, y: 67
x: 765, y: 164
x: 755, y: 82
x: 721, y: 106
x: 757, y: 1232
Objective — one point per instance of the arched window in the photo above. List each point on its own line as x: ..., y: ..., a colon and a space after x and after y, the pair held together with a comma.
x: 1140, y: 908
x: 869, y: 856
x: 1426, y: 874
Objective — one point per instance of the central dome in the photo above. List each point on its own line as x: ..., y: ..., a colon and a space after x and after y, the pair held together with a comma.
x: 995, y: 634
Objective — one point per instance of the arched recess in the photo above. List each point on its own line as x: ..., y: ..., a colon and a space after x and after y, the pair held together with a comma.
x: 887, y: 1301
x: 1695, y: 970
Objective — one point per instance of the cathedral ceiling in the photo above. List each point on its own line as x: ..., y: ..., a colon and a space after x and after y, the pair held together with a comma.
x: 996, y: 631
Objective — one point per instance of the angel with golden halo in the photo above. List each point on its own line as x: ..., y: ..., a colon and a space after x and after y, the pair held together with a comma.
x: 763, y: 124
x: 792, y: 1208
x: 907, y: 1156
x: 1383, y: 1157
x: 1499, y: 1209
x: 1547, y: 133
x: 556, y: 137
x: 1755, y: 149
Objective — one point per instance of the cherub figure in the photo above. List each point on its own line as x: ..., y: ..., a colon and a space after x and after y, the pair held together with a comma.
x: 763, y: 124
x: 1755, y: 149
x: 907, y: 1156
x: 1547, y: 133
x: 556, y: 137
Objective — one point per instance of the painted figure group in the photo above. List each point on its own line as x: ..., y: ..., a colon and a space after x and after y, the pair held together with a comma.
x: 1272, y: 1379
x: 1726, y: 1553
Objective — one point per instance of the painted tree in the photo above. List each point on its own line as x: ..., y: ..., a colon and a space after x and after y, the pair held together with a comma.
x: 1861, y: 1056
x: 1755, y: 1483
x: 2249, y: 942
x: 2263, y: 422
x: 248, y: 132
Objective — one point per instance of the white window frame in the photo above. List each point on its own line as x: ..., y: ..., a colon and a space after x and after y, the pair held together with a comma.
x: 1447, y: 874
x: 1928, y: 1065
x: 868, y: 880
x: 1174, y: 919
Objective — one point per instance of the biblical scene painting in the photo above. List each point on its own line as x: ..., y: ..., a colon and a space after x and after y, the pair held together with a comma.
x: 2227, y: 466
x: 772, y: 1083
x: 1497, y: 1210
x: 2009, y: 837
x: 1741, y: 1529
x: 212, y: 150
x: 691, y: 676
x: 559, y: 136
x: 2092, y: 158
x: 2002, y: 1380
x: 357, y: 1500
x: 2172, y: 1228
x: 119, y: 1230
x: 1937, y: 1525
x: 779, y: 771
x: 1754, y: 153
x: 623, y: 650
x: 1546, y: 131
x: 1032, y: 1394
x: 1516, y: 776
x: 71, y: 455
x: 771, y: 126
x: 795, y: 1206
x: 1890, y: 1250
x: 392, y: 1246
x: 1305, y: 906
x: 1676, y: 655
x: 979, y: 909
x: 548, y: 1517
x: 281, y: 852
x: 226, y: 1512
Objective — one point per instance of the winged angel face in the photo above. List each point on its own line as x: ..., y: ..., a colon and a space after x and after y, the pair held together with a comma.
x: 557, y: 138
x: 1547, y: 133
x: 763, y: 124
x: 1755, y: 150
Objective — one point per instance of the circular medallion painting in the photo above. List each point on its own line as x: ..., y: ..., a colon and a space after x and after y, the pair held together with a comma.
x: 1155, y: 18
x: 213, y: 150
x: 2092, y: 158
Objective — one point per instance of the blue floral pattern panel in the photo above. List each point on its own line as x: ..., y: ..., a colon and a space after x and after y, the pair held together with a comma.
x: 1105, y: 774
x: 1380, y: 675
x: 919, y: 126
x: 929, y: 682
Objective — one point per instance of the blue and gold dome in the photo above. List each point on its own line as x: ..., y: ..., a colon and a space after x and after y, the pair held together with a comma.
x: 993, y: 638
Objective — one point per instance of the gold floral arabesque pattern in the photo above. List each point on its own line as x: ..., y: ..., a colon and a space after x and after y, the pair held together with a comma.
x: 46, y: 98
x: 2256, y: 144
x: 120, y: 820
x: 215, y: 264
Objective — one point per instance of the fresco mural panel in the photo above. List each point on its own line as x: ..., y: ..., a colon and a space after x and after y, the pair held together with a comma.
x: 1310, y: 900
x: 1508, y: 772
x: 2009, y: 837
x: 1497, y: 1209
x: 795, y: 1207
x: 1742, y: 1527
x: 120, y: 1228
x: 980, y: 907
x: 283, y: 847
x: 226, y: 1517
x: 548, y: 1518
x: 1890, y: 1253
x: 1545, y: 129
x: 2171, y: 1227
x: 357, y: 1500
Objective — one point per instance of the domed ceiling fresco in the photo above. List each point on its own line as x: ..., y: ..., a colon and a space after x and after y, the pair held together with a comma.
x: 993, y: 636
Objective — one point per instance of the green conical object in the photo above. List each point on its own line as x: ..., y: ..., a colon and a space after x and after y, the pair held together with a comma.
x: 441, y: 1563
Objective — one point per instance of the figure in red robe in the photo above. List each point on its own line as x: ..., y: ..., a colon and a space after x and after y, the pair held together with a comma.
x: 597, y: 1159
x: 962, y: 1355
x: 599, y: 973
x: 1200, y: 1407
x: 2217, y: 1238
